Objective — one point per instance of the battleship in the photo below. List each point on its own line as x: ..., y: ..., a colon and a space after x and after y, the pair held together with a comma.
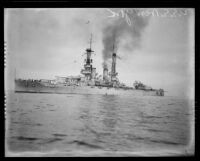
x: 88, y: 82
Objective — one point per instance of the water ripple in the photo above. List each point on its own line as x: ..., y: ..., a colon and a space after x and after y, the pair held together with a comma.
x: 25, y: 138
x: 83, y: 143
x: 60, y: 135
x: 165, y: 142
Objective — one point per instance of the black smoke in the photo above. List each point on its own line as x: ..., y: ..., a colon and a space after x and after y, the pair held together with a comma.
x: 122, y: 31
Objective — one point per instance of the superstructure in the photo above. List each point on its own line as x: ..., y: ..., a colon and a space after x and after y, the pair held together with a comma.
x: 87, y: 83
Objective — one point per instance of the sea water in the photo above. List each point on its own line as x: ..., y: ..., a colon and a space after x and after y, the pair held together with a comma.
x: 72, y: 124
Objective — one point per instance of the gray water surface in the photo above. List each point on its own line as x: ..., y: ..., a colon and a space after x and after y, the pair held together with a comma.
x: 87, y: 123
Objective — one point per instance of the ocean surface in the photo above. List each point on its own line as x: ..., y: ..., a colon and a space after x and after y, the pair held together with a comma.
x: 98, y: 125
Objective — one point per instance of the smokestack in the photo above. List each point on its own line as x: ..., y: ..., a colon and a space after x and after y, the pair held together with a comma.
x: 113, y: 68
x: 93, y: 73
x: 105, y: 73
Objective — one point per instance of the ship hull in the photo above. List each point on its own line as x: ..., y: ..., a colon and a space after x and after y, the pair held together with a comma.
x: 61, y: 89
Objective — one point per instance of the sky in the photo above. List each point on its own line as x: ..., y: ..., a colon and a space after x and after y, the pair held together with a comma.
x: 44, y: 43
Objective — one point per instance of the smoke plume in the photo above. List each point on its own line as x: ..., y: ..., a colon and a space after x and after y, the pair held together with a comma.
x: 124, y: 31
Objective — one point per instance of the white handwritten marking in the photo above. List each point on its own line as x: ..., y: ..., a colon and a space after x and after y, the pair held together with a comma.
x: 123, y: 13
x: 151, y: 12
x: 113, y: 13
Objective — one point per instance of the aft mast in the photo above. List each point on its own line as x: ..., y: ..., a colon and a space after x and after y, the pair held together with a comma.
x: 91, y: 42
x: 15, y: 74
